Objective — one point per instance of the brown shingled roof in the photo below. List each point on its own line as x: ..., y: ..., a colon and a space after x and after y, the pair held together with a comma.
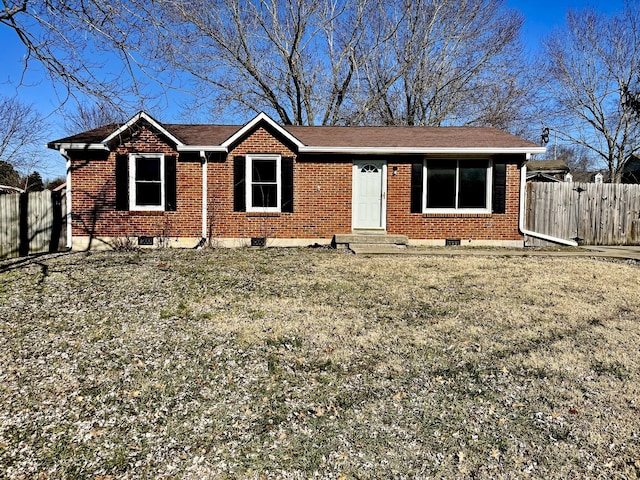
x: 202, y: 134
x: 419, y: 137
x: 338, y: 137
x: 90, y: 136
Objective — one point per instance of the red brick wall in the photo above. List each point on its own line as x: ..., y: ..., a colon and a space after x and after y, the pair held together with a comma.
x: 322, y: 199
x: 93, y: 197
x: 420, y: 226
x: 321, y: 196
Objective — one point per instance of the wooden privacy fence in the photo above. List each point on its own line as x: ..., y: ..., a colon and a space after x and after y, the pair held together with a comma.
x: 590, y: 213
x: 32, y: 223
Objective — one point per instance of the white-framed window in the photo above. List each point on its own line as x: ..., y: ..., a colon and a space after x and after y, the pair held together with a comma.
x: 264, y: 183
x: 457, y: 186
x: 146, y: 181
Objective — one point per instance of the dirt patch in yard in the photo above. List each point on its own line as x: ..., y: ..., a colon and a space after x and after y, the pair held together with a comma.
x: 295, y: 363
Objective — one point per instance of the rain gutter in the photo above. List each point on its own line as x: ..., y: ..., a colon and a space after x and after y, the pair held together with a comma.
x: 63, y: 152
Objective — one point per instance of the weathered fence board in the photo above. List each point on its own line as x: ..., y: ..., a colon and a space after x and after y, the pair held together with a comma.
x: 32, y: 223
x: 592, y: 214
x: 9, y: 225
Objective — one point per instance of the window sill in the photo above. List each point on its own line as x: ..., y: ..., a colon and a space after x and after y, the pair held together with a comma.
x: 147, y: 213
x: 263, y: 214
x: 457, y: 215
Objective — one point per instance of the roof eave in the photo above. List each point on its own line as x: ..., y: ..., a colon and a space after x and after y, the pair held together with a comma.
x: 548, y: 171
x: 200, y: 148
x: 78, y: 146
x: 423, y: 150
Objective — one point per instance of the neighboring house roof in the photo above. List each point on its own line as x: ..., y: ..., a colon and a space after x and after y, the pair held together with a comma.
x: 547, y: 166
x: 542, y: 177
x: 317, y: 139
x: 547, y: 170
x: 10, y: 189
x: 632, y: 164
x: 631, y: 170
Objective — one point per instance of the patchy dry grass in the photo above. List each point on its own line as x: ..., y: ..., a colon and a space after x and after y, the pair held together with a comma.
x: 318, y: 364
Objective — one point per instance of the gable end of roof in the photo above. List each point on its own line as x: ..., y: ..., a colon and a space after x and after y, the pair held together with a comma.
x: 261, y: 118
x: 142, y: 117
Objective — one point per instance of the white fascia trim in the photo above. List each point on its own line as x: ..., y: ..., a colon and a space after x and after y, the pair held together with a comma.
x: 143, y: 116
x: 261, y: 117
x: 80, y: 146
x: 421, y: 150
x: 201, y: 148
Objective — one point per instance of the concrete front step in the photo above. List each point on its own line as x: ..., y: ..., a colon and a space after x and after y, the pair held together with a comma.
x: 371, y: 244
x: 348, y: 240
x: 377, y: 248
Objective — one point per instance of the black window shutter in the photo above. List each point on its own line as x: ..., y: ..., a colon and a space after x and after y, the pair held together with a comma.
x: 416, y: 187
x: 239, y: 184
x: 170, y: 183
x: 122, y: 182
x: 287, y: 184
x: 499, y: 187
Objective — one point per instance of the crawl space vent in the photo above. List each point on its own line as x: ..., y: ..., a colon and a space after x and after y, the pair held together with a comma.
x: 145, y: 241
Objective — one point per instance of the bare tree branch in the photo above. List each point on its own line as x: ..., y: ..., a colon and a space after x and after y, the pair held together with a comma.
x: 22, y: 133
x: 452, y: 59
x: 89, y: 116
x: 88, y: 47
x: 590, y: 65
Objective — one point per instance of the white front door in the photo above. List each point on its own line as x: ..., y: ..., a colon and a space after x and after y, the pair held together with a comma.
x: 369, y: 194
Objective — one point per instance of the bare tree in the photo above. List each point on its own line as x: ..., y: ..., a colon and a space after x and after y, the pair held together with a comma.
x: 579, y: 160
x: 86, y: 46
x: 590, y: 65
x: 293, y: 58
x: 89, y: 116
x: 22, y: 133
x: 422, y: 62
x: 446, y: 62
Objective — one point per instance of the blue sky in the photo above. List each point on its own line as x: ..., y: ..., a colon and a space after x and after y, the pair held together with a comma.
x: 542, y: 16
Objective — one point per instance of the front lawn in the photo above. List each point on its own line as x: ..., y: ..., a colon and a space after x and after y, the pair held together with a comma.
x: 300, y: 363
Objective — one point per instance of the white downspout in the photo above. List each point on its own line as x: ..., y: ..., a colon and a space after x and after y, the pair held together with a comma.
x: 541, y: 236
x: 63, y: 152
x: 204, y: 194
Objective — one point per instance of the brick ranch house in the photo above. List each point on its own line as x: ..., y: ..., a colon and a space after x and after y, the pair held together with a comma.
x: 178, y: 184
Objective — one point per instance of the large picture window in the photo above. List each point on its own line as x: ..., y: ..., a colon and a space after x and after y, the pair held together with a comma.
x: 146, y: 181
x: 264, y: 183
x: 457, y: 185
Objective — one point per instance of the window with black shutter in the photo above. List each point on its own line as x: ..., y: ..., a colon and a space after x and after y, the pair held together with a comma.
x: 499, y: 199
x: 287, y: 184
x: 170, y: 183
x: 239, y: 172
x: 122, y: 182
x: 416, y: 187
x: 263, y: 183
x: 146, y: 181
